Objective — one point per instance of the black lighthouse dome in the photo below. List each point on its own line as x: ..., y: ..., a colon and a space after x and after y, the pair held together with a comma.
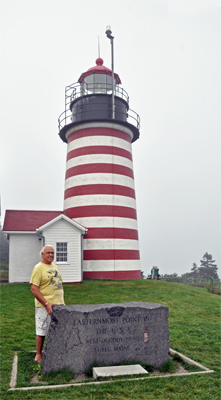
x: 90, y: 99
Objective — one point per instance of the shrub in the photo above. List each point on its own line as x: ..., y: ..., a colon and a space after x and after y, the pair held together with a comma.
x: 216, y: 291
x: 209, y: 286
x: 3, y: 275
x: 4, y: 266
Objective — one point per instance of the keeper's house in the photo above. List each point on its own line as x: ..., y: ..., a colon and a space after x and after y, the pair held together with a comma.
x: 29, y: 231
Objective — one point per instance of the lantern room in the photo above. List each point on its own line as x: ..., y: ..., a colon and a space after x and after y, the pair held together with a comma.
x: 98, y: 80
x: 90, y: 99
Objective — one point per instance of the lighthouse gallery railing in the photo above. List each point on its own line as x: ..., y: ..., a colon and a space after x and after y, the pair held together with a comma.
x: 76, y: 90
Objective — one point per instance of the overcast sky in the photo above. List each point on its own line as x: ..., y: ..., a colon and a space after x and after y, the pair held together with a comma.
x: 167, y: 54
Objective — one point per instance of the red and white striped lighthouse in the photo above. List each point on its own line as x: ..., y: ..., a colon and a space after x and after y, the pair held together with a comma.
x: 99, y: 182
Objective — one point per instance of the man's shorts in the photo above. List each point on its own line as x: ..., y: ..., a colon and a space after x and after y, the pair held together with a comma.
x: 42, y: 321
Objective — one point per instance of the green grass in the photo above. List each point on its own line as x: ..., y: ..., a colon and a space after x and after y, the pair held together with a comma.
x: 169, y: 366
x: 26, y: 368
x: 27, y: 371
x: 3, y: 271
x: 61, y: 377
x: 194, y: 324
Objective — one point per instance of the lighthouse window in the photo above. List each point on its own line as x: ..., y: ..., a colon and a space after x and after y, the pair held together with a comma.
x: 89, y: 84
x: 61, y: 252
x: 100, y: 83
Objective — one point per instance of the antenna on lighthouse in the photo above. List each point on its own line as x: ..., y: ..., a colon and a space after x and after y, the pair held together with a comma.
x: 99, y: 46
x: 108, y: 33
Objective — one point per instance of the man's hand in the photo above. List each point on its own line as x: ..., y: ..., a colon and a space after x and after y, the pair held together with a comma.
x: 49, y: 307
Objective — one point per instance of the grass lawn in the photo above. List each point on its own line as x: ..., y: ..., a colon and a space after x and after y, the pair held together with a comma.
x: 194, y: 324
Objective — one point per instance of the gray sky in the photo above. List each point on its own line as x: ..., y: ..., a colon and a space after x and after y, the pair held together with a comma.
x: 167, y: 54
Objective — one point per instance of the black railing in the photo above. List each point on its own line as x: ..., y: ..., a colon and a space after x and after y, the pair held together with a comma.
x: 77, y: 91
x: 67, y: 117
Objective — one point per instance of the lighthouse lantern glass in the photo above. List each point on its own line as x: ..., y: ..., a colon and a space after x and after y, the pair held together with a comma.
x: 97, y: 83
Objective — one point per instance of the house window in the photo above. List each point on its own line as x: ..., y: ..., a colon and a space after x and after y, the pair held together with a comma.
x: 61, y: 252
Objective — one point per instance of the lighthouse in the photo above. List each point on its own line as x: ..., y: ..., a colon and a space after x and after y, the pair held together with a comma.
x: 99, y: 183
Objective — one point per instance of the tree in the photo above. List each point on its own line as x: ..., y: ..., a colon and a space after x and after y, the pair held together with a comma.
x: 4, y: 247
x: 208, y: 268
x: 195, y: 270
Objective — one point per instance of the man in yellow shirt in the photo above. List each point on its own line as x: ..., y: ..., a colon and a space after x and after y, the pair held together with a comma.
x: 46, y: 286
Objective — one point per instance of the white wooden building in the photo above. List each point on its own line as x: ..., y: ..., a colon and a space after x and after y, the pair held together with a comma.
x: 29, y: 231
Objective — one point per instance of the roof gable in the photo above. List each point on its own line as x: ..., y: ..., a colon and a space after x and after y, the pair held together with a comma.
x: 67, y: 219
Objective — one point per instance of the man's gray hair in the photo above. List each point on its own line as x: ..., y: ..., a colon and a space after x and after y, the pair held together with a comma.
x: 43, y: 248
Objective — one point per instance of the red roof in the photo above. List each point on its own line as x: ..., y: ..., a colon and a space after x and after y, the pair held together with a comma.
x: 99, y: 69
x: 22, y: 220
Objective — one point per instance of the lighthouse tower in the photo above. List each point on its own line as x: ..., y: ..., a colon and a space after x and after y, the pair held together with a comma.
x: 99, y: 183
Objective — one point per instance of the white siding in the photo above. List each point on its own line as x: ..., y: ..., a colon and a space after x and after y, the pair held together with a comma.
x: 24, y: 254
x: 63, y: 231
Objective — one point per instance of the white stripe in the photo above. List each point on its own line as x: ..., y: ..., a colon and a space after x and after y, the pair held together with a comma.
x: 111, y: 244
x: 110, y: 125
x: 99, y: 179
x: 111, y: 265
x: 99, y: 199
x: 97, y: 159
x: 108, y: 222
x: 99, y: 141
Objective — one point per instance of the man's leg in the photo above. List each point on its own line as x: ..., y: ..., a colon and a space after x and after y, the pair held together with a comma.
x: 39, y: 347
x: 42, y: 321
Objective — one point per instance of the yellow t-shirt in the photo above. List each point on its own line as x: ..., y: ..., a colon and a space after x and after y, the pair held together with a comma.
x: 48, y: 278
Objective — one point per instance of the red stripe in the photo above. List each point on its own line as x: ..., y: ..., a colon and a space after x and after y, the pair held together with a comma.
x: 101, y: 131
x: 111, y: 233
x: 101, y: 211
x: 83, y: 151
x: 99, y: 189
x: 111, y: 254
x: 101, y: 168
x: 113, y: 275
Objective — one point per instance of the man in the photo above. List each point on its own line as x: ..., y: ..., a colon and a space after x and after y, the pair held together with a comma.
x: 46, y: 286
x: 157, y: 273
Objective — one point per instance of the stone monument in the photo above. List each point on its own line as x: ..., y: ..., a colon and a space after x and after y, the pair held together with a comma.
x: 80, y: 335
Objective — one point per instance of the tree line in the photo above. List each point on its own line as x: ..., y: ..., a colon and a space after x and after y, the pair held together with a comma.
x: 207, y: 269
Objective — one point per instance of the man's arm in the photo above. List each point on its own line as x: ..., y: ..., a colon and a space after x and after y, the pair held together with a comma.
x: 38, y: 295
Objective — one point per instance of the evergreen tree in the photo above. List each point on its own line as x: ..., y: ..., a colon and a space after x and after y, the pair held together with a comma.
x: 195, y: 270
x: 208, y: 268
